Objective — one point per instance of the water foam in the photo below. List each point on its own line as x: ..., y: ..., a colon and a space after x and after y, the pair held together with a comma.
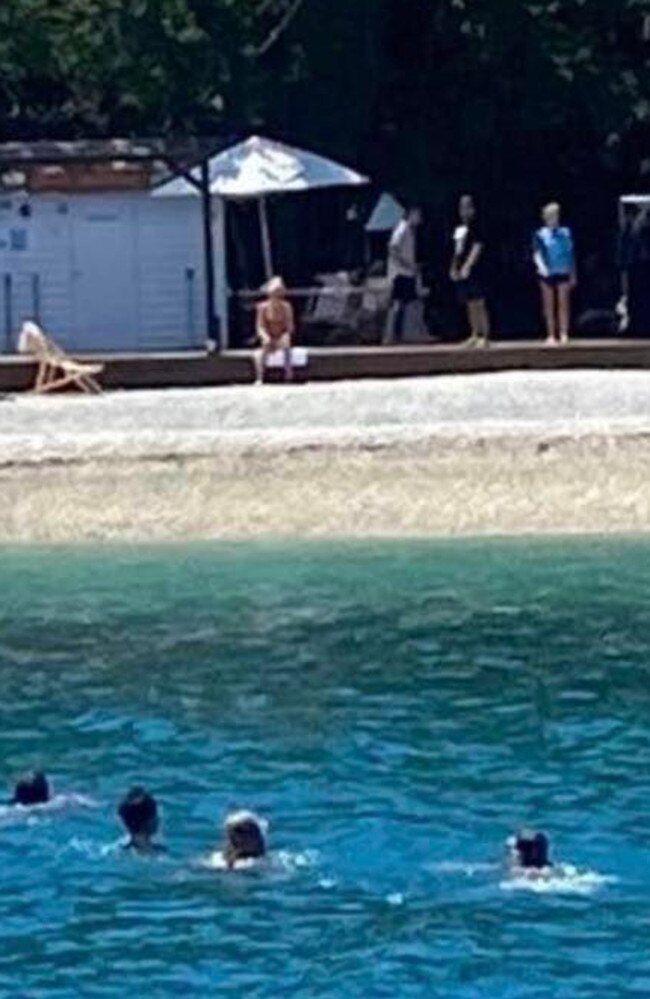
x: 284, y: 861
x: 93, y: 850
x: 29, y: 814
x: 461, y: 867
x: 561, y: 879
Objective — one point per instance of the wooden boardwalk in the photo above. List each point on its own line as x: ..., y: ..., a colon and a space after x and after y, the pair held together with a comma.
x: 163, y: 370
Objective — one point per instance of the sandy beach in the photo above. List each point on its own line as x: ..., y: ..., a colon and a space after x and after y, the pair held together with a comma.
x: 522, y: 452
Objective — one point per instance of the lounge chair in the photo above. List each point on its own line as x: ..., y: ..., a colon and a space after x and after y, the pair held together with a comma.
x: 330, y: 305
x: 336, y: 310
x: 56, y: 370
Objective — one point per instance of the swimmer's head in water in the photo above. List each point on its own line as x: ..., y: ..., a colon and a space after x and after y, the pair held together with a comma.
x: 139, y: 813
x: 33, y: 789
x: 245, y: 836
x: 532, y: 850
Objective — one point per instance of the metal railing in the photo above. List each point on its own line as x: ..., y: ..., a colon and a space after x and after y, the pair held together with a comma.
x: 21, y: 299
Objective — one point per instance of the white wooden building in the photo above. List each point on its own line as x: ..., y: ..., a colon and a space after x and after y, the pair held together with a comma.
x: 119, y: 271
x: 105, y: 260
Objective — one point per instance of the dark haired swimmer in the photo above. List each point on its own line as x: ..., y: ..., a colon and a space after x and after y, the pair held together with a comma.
x: 245, y: 838
x: 32, y: 789
x: 138, y: 811
x: 529, y: 853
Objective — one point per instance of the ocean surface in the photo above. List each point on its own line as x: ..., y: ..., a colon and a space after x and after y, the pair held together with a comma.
x: 394, y: 710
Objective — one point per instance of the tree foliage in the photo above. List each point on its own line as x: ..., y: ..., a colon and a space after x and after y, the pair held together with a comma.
x: 511, y: 97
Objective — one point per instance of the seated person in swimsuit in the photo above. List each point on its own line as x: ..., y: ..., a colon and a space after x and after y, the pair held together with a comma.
x: 275, y: 327
x: 529, y: 853
x: 138, y: 811
x: 32, y: 789
x: 245, y: 838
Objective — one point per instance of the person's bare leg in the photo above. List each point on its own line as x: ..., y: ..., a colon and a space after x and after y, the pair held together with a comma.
x: 473, y: 338
x: 481, y: 322
x: 548, y: 308
x: 391, y: 322
x: 564, y: 311
x: 259, y: 359
x: 474, y: 319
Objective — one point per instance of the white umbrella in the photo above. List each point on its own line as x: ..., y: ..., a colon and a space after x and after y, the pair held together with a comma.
x: 259, y: 167
x: 385, y: 215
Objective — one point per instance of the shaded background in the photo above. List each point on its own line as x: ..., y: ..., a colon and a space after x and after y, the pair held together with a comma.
x: 517, y: 101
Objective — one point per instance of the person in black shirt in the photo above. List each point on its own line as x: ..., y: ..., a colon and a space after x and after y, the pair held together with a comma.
x: 466, y: 272
x: 634, y: 255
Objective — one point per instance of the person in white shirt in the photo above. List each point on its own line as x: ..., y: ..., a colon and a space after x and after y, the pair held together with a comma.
x: 402, y: 271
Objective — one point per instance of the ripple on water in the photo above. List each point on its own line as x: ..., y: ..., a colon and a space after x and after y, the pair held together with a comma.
x: 395, y: 710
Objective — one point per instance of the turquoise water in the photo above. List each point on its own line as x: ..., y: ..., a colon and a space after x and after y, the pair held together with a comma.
x: 394, y: 711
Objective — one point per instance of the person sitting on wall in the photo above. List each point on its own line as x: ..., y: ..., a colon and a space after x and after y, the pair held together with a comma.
x: 275, y: 327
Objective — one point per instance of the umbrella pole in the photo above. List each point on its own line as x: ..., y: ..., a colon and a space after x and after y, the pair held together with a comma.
x: 265, y: 231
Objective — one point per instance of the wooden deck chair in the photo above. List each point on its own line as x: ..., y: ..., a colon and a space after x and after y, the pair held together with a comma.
x: 56, y: 370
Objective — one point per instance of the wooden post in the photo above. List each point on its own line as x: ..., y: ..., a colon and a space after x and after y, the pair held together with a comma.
x: 265, y: 230
x: 211, y: 322
x: 9, y: 312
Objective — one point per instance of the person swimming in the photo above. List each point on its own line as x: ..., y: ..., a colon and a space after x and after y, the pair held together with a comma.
x: 32, y: 789
x: 245, y: 838
x: 529, y: 852
x: 138, y: 811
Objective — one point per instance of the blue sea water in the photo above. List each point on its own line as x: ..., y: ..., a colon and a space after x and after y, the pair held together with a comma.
x: 395, y: 711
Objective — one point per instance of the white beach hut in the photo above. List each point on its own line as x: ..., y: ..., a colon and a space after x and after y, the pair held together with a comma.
x: 97, y: 260
x: 116, y: 271
x: 111, y: 265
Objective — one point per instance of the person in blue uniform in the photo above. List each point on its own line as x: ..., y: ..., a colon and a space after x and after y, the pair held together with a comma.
x: 554, y: 256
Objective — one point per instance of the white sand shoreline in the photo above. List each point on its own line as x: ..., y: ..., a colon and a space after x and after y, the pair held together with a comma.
x: 520, y: 453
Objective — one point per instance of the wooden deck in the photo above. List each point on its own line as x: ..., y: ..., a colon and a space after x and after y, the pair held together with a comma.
x: 164, y: 370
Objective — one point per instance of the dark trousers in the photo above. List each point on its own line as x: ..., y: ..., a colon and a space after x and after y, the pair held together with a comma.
x: 404, y: 292
x: 638, y: 301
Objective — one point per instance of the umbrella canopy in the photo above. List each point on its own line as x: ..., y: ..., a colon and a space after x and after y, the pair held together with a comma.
x: 258, y: 167
x: 385, y: 215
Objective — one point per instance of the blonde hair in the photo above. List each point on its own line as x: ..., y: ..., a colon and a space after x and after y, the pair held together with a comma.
x: 275, y: 286
x: 243, y: 817
x: 552, y: 208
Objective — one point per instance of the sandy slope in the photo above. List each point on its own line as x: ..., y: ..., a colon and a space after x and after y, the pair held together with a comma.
x: 516, y: 452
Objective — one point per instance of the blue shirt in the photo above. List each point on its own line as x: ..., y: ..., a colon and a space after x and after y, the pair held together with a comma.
x: 555, y: 247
